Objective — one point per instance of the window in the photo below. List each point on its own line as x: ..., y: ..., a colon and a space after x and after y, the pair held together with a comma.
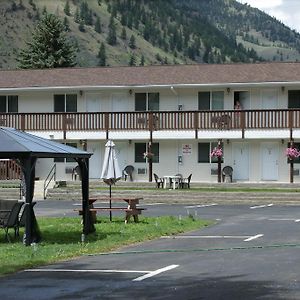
x: 9, y: 104
x: 61, y: 159
x: 146, y: 101
x: 294, y: 99
x: 65, y: 103
x: 204, y: 150
x: 141, y: 148
x: 211, y: 100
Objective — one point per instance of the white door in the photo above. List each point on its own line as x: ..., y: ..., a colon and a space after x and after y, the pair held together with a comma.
x: 269, y: 98
x: 95, y: 165
x: 269, y: 163
x: 240, y: 160
x: 122, y: 150
x: 93, y: 102
x: 119, y: 102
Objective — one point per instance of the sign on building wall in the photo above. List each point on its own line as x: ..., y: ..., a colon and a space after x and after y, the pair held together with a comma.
x: 186, y: 149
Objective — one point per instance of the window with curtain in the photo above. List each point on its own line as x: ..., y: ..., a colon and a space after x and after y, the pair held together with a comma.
x: 146, y: 101
x: 204, y: 150
x: 65, y: 103
x: 211, y: 100
x: 141, y: 148
x: 9, y: 104
x: 294, y: 99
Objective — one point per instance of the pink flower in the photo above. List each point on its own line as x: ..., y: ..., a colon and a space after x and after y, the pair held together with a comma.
x: 292, y: 153
x: 216, y: 152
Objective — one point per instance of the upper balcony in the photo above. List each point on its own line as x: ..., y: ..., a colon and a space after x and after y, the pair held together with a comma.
x: 225, y: 120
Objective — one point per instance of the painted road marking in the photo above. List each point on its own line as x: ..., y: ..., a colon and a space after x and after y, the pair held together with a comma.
x: 253, y: 237
x: 86, y: 271
x: 286, y: 219
x: 261, y: 206
x: 154, y: 273
x: 246, y: 238
x: 201, y: 205
x: 147, y: 274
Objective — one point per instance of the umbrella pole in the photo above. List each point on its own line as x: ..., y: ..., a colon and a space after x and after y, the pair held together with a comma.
x: 110, y: 214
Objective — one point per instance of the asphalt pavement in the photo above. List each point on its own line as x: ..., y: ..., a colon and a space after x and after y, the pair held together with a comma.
x: 252, y: 252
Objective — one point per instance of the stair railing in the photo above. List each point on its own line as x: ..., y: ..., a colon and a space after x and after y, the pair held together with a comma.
x: 51, y: 175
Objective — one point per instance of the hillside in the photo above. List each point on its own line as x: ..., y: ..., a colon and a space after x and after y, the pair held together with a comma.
x: 153, y: 32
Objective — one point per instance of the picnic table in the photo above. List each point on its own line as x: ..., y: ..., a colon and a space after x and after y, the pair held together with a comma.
x: 130, y: 209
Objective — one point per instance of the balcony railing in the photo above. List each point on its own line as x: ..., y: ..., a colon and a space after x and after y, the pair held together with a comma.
x: 158, y: 120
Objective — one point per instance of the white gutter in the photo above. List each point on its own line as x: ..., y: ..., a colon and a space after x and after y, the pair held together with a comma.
x: 155, y: 86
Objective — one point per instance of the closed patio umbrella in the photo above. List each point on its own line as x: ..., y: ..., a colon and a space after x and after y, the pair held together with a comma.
x: 110, y: 171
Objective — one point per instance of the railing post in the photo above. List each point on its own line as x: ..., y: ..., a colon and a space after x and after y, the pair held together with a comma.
x: 196, y: 121
x: 22, y: 122
x: 291, y: 122
x: 243, y: 122
x: 106, y: 124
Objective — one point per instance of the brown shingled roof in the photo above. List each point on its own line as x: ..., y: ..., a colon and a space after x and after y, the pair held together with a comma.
x: 199, y: 74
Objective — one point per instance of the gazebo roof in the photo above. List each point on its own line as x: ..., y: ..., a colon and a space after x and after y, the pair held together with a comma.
x: 19, y: 144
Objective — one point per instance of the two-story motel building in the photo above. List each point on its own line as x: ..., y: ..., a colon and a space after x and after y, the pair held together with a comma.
x: 183, y: 110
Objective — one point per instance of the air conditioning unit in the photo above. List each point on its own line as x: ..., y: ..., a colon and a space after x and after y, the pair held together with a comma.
x: 142, y: 171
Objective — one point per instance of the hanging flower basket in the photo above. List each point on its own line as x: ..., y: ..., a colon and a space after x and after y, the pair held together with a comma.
x: 292, y: 153
x: 217, y: 152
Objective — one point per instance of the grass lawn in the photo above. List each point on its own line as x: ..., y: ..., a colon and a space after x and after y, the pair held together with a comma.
x: 61, y: 239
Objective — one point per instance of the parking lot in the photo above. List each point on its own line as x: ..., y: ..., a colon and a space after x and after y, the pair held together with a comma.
x: 252, y: 252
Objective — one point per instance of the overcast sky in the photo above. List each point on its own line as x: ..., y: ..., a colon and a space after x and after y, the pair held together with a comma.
x: 287, y: 11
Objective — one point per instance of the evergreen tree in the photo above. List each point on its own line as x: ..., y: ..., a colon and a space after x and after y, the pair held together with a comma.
x: 77, y: 16
x: 66, y: 24
x: 67, y: 8
x: 132, y: 59
x: 123, y: 34
x: 49, y: 47
x: 102, y: 55
x: 112, y: 34
x: 81, y: 26
x: 142, y: 63
x: 98, y: 27
x: 132, y: 44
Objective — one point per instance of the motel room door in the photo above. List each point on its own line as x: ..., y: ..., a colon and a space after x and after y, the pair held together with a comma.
x: 269, y: 161
x: 95, y: 165
x: 240, y: 160
x: 93, y: 102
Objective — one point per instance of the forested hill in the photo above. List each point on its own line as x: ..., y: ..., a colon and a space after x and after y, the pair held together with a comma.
x: 137, y: 32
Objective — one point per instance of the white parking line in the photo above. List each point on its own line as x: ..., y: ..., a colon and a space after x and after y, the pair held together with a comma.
x: 246, y: 238
x: 253, y: 237
x: 201, y: 205
x: 261, y: 206
x: 153, y: 273
x: 284, y: 219
x: 147, y: 274
x: 206, y: 237
x: 85, y: 271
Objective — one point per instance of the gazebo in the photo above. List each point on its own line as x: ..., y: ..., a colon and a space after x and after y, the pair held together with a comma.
x: 26, y: 148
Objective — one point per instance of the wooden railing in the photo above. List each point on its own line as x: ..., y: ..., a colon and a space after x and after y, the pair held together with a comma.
x: 158, y: 120
x: 9, y: 169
